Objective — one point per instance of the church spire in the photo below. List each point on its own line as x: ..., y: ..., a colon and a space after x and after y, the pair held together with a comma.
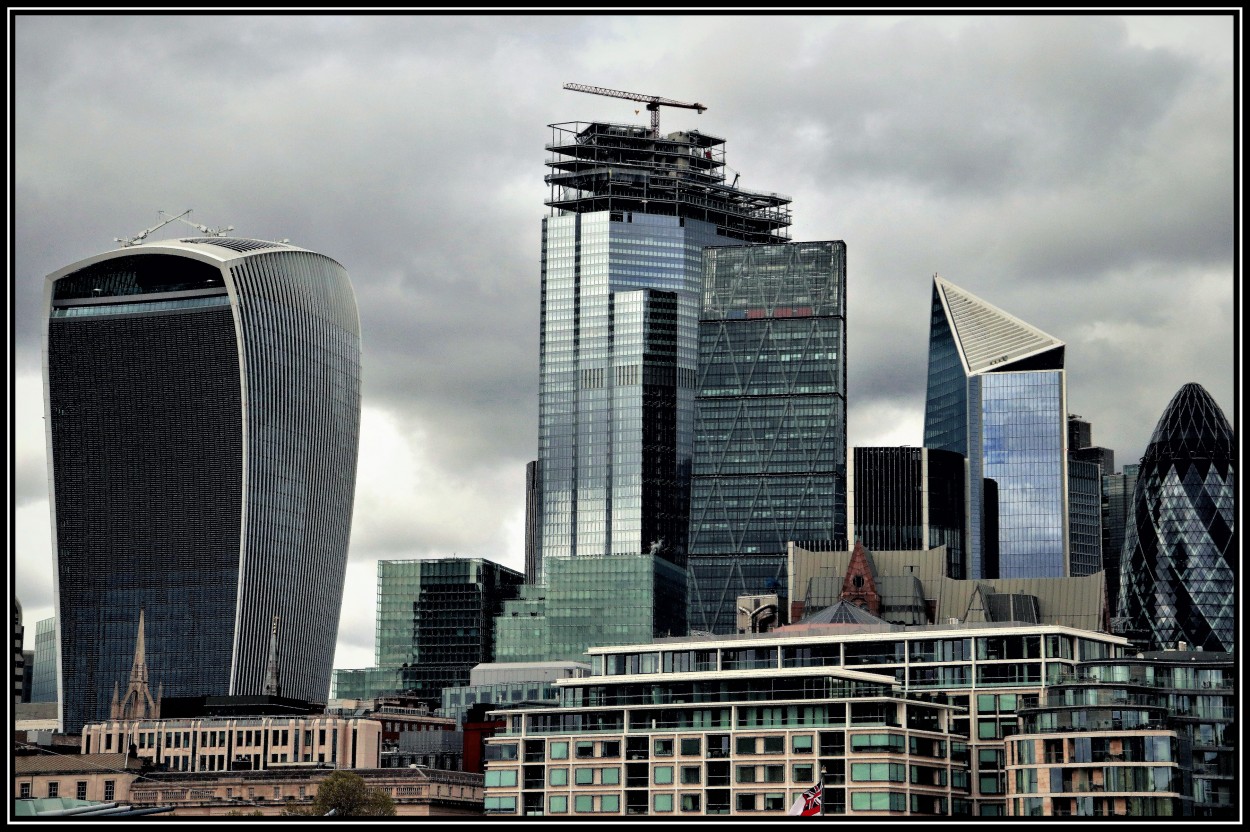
x: 273, y: 687
x: 137, y: 703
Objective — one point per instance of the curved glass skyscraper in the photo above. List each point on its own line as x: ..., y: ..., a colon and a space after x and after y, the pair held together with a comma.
x: 1177, y: 580
x: 203, y: 417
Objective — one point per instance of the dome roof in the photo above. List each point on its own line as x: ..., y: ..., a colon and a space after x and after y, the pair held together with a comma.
x: 1192, y: 427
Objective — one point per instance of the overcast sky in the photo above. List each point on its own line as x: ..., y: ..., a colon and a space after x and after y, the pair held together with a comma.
x: 1077, y: 172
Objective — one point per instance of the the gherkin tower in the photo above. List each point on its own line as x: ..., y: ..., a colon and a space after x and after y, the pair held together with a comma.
x: 1176, y: 570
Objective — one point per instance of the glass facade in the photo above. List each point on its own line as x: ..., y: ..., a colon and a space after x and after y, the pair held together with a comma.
x: 997, y: 393
x: 203, y: 418
x: 631, y: 213
x: 435, y: 622
x: 616, y: 381
x: 1085, y: 516
x: 1021, y: 444
x: 1117, y: 504
x: 44, y: 675
x: 911, y: 498
x: 770, y: 418
x: 1177, y: 575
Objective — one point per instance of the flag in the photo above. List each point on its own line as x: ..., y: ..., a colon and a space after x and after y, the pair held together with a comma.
x: 809, y: 803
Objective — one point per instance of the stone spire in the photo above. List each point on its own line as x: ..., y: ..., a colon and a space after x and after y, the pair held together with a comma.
x: 859, y: 586
x: 137, y: 703
x: 273, y: 687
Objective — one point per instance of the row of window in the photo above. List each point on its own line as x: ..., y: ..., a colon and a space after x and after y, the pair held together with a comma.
x: 25, y: 790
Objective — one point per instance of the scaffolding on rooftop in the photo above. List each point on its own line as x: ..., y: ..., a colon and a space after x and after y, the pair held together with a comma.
x: 597, y: 166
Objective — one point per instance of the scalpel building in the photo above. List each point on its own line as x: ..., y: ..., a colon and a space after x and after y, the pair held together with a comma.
x: 202, y: 416
x: 997, y: 393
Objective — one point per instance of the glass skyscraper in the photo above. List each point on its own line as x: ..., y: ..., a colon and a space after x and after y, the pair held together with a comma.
x: 43, y: 677
x: 770, y: 420
x: 435, y: 621
x: 621, y: 275
x: 997, y: 394
x: 910, y: 499
x: 1177, y: 575
x: 1117, y: 510
x: 203, y: 416
x: 631, y: 213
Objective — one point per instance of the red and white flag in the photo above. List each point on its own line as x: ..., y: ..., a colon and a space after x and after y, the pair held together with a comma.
x: 809, y: 803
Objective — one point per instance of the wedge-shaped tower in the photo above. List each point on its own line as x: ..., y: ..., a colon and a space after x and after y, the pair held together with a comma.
x: 1177, y: 580
x: 997, y: 393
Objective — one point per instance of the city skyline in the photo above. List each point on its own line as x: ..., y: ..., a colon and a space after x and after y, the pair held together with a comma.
x: 1079, y: 199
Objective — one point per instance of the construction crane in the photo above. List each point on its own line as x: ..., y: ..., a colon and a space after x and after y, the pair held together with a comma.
x: 653, y: 102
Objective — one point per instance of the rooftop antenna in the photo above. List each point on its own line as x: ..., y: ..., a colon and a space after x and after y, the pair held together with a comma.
x: 166, y: 220
x: 142, y: 235
x: 204, y: 229
x: 653, y: 102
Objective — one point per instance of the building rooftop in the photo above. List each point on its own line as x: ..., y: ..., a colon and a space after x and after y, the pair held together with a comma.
x: 599, y: 166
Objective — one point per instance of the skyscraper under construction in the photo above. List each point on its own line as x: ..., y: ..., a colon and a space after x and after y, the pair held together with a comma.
x: 631, y: 212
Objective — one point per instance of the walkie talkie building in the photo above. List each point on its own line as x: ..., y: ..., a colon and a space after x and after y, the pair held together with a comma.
x: 203, y: 418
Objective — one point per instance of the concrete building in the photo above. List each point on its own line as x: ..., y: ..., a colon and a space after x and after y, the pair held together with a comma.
x: 911, y: 588
x: 1150, y: 735
x: 903, y: 721
x: 417, y: 792
x: 103, y: 777
x: 203, y: 412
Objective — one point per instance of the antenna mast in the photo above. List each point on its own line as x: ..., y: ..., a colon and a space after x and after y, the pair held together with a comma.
x: 142, y: 235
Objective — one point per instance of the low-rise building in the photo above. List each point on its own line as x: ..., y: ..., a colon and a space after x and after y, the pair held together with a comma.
x: 90, y: 777
x: 828, y: 696
x: 416, y: 791
x: 1144, y: 736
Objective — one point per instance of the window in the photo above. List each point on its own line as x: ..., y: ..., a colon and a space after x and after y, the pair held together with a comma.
x: 81, y: 792
x: 691, y: 775
x: 663, y: 748
x: 802, y: 773
x: 870, y: 772
x: 583, y: 776
x: 585, y: 749
x: 774, y: 802
x: 801, y: 744
x: 746, y: 803
x: 610, y: 803
x: 774, y: 745
x: 558, y: 777
x: 662, y: 803
x: 663, y: 775
x: 500, y: 805
x: 610, y: 776
x: 558, y: 804
x: 745, y: 774
x: 744, y: 745
x: 24, y: 791
x: 775, y: 774
x: 54, y: 789
x: 610, y: 748
x: 878, y: 802
x: 501, y: 779
x: 583, y: 803
x: 558, y: 751
x: 691, y: 746
x: 690, y: 802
